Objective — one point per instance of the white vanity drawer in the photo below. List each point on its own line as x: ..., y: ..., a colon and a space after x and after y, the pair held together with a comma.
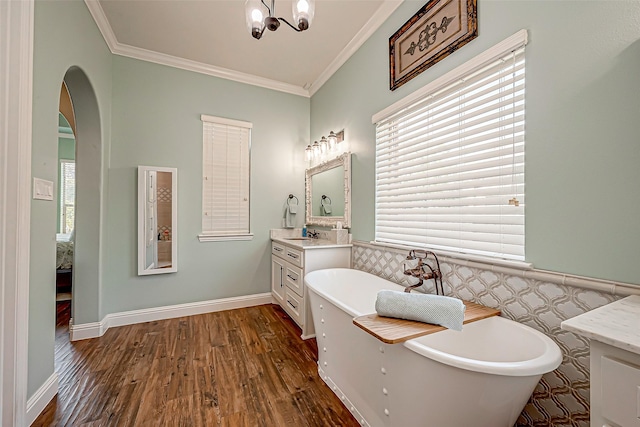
x: 293, y: 305
x: 620, y: 392
x: 294, y: 279
x: 294, y: 256
x: 278, y: 250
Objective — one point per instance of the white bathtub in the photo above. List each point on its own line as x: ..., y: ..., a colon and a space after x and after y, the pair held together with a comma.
x: 481, y: 377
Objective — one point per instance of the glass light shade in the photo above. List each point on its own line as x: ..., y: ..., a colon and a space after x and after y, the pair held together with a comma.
x: 332, y: 140
x: 316, y: 149
x: 324, y: 145
x: 303, y: 11
x: 255, y: 13
x: 308, y: 153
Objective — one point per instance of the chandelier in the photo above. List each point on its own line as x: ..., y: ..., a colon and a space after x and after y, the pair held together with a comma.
x: 260, y: 16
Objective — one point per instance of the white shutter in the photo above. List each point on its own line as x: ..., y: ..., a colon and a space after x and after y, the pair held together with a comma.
x: 67, y: 195
x: 225, y: 181
x: 448, y: 164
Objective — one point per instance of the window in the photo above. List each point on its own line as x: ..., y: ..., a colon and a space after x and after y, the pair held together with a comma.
x: 225, y: 179
x: 449, y: 161
x: 67, y: 195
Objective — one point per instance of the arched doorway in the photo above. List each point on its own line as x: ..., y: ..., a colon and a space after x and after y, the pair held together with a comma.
x: 88, y: 212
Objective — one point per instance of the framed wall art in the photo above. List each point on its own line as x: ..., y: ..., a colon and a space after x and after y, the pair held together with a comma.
x: 438, y: 29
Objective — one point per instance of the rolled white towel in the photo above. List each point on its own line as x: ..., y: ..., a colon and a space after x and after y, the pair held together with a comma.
x: 427, y: 308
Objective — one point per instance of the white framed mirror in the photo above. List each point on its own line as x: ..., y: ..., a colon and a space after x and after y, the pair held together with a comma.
x: 328, y: 193
x: 157, y: 220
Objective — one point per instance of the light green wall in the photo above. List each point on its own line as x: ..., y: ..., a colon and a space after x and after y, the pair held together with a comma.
x: 66, y: 149
x: 156, y: 122
x: 582, y: 125
x: 65, y: 36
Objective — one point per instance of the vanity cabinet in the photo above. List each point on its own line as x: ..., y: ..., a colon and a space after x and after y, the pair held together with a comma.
x: 615, y: 386
x: 290, y: 262
x: 614, y: 361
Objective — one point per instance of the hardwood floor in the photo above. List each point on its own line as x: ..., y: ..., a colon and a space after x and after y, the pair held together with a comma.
x: 245, y: 367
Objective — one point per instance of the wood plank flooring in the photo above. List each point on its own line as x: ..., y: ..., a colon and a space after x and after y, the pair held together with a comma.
x: 245, y: 367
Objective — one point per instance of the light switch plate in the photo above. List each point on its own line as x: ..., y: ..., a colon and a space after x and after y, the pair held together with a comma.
x: 42, y: 189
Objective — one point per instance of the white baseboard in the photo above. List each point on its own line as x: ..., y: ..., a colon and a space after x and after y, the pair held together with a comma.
x: 97, y: 329
x: 87, y: 330
x: 41, y: 398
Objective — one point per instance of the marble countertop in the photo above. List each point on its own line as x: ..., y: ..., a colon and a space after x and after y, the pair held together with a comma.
x: 308, y: 243
x: 616, y: 324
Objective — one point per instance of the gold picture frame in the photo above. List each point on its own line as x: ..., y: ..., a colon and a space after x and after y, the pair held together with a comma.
x: 438, y: 29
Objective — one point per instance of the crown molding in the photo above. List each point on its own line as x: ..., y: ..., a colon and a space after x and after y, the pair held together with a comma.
x: 121, y: 49
x: 117, y: 48
x: 378, y: 18
x: 96, y: 11
x: 211, y: 70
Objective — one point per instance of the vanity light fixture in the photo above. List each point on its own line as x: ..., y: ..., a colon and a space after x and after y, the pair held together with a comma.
x: 259, y: 16
x: 327, y: 149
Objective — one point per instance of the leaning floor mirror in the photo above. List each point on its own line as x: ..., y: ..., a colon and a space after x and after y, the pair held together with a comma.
x: 157, y: 220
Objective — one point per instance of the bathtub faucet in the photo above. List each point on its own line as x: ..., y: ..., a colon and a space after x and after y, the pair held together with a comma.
x: 424, y: 271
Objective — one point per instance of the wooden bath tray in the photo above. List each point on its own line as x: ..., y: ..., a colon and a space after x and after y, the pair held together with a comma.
x: 392, y: 331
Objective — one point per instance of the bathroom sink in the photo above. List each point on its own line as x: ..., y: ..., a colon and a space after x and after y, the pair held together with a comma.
x: 297, y: 238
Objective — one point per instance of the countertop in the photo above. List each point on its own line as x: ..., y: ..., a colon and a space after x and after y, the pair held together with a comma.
x: 309, y: 243
x: 616, y: 324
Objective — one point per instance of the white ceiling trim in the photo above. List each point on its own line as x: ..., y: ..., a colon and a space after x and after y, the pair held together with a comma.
x: 378, y: 18
x: 199, y: 67
x: 103, y: 23
x: 121, y: 49
x: 117, y: 48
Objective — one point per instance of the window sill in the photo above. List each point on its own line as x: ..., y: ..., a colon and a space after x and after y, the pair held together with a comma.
x: 224, y: 238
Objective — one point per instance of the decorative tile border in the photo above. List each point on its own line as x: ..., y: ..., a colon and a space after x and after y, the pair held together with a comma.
x: 562, y: 396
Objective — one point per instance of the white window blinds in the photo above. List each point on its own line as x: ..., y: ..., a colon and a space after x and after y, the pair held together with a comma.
x: 448, y: 164
x: 67, y: 195
x: 225, y: 181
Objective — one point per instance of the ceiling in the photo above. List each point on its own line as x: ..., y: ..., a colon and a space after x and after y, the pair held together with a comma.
x: 212, y: 37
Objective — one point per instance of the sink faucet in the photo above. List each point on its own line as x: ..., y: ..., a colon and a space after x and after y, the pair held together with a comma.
x: 313, y: 234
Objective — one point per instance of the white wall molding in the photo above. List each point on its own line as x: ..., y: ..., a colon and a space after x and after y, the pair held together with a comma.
x: 121, y: 49
x: 41, y: 398
x: 87, y: 330
x: 378, y: 18
x: 600, y: 285
x: 102, y: 22
x: 211, y: 70
x: 97, y: 329
x: 16, y: 87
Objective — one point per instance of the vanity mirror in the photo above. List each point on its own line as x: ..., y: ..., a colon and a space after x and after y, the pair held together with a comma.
x: 328, y: 193
x: 157, y: 220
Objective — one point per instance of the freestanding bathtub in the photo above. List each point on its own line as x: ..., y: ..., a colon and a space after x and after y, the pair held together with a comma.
x: 481, y: 377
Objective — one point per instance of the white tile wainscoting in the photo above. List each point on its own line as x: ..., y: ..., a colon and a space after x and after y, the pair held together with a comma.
x: 541, y: 300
